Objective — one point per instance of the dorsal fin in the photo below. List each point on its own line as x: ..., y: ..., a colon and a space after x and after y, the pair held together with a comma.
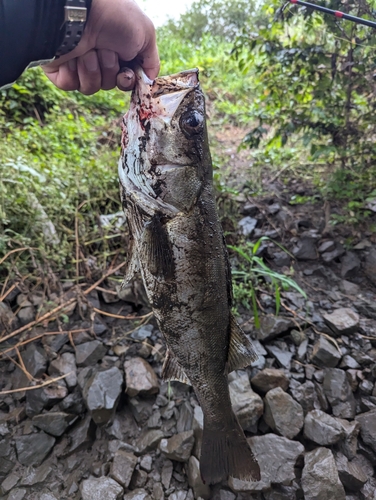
x: 241, y: 352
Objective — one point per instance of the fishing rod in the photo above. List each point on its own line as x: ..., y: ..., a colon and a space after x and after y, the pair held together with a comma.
x: 336, y: 13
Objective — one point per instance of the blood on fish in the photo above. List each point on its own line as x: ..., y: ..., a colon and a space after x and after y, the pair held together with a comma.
x: 145, y: 114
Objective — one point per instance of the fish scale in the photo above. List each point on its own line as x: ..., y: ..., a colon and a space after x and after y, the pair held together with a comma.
x: 165, y: 175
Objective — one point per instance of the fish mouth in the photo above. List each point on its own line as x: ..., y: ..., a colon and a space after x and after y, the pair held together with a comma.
x: 184, y: 80
x: 160, y: 98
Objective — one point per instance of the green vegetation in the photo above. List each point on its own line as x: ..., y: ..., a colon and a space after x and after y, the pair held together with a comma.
x: 314, y: 86
x: 301, y: 85
x: 251, y: 272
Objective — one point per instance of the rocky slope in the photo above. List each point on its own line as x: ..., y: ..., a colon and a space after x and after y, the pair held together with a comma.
x: 111, y: 429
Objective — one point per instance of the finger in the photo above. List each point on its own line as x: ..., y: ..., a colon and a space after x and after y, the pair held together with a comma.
x: 150, y: 63
x: 149, y: 58
x: 126, y: 79
x: 89, y: 73
x: 109, y: 65
x: 65, y: 77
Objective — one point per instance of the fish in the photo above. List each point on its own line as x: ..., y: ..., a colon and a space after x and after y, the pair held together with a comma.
x: 177, y: 243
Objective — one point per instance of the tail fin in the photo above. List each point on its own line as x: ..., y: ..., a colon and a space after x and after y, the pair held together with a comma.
x: 226, y: 453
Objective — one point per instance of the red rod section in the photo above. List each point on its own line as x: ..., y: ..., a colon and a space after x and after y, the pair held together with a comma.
x: 336, y: 13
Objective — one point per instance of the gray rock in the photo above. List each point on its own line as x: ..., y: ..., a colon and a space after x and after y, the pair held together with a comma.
x: 140, y: 378
x: 185, y: 419
x: 247, y: 225
x: 270, y: 378
x: 272, y: 326
x: 4, y: 430
x: 369, y: 489
x: 325, y: 353
x: 351, y: 475
x: 7, y: 457
x: 73, y: 403
x: 146, y: 463
x: 17, y: 494
x: 305, y: 394
x: 89, y: 353
x: 9, y: 482
x: 100, y: 488
x: 322, y: 429
x: 338, y: 391
x: 149, y: 440
x: 139, y: 479
x: 282, y: 413
x: 179, y: 446
x: 7, y: 318
x: 302, y: 351
x: 343, y: 321
x: 26, y: 315
x: 366, y: 387
x: 249, y: 209
x: 48, y: 496
x: 36, y: 476
x: 281, y: 259
x: 349, y: 288
x: 155, y: 421
x: 122, y: 467
x: 158, y: 491
x: 277, y: 457
x: 370, y: 265
x: 349, y: 362
x: 45, y: 397
x: 367, y: 423
x: 283, y: 357
x: 34, y: 448
x: 138, y: 494
x: 64, y: 364
x: 320, y: 479
x: 226, y: 495
x: 166, y: 474
x: 178, y: 495
x: 247, y: 405
x: 337, y: 252
x: 350, y: 265
x: 305, y: 249
x: 82, y: 435
x: 142, y: 411
x: 35, y: 360
x: 142, y: 333
x: 54, y: 423
x: 349, y: 445
x: 102, y: 392
x: 194, y: 479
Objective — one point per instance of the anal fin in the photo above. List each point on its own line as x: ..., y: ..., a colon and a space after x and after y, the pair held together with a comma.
x: 172, y: 370
x: 241, y: 352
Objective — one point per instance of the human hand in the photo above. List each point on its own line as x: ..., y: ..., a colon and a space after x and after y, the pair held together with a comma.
x: 117, y: 30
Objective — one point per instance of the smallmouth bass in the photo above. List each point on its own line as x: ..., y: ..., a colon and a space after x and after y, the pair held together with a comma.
x: 166, y: 188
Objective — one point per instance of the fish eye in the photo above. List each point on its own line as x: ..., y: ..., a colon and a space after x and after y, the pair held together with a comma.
x: 191, y: 122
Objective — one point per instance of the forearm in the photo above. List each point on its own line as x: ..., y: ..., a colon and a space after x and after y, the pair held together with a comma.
x: 29, y: 31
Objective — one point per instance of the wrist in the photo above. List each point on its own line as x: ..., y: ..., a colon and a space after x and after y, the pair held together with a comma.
x: 76, y: 13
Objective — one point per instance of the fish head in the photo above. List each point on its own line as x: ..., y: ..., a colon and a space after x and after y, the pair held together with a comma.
x: 165, y: 152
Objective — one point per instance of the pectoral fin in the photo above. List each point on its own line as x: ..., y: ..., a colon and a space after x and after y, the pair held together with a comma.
x: 172, y: 370
x: 157, y: 250
x: 241, y: 352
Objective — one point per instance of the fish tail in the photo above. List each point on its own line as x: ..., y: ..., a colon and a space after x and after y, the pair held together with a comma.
x: 226, y: 453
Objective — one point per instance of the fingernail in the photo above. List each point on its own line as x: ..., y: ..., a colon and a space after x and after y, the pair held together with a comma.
x: 91, y: 61
x: 109, y: 59
x: 127, y: 74
x: 72, y: 64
